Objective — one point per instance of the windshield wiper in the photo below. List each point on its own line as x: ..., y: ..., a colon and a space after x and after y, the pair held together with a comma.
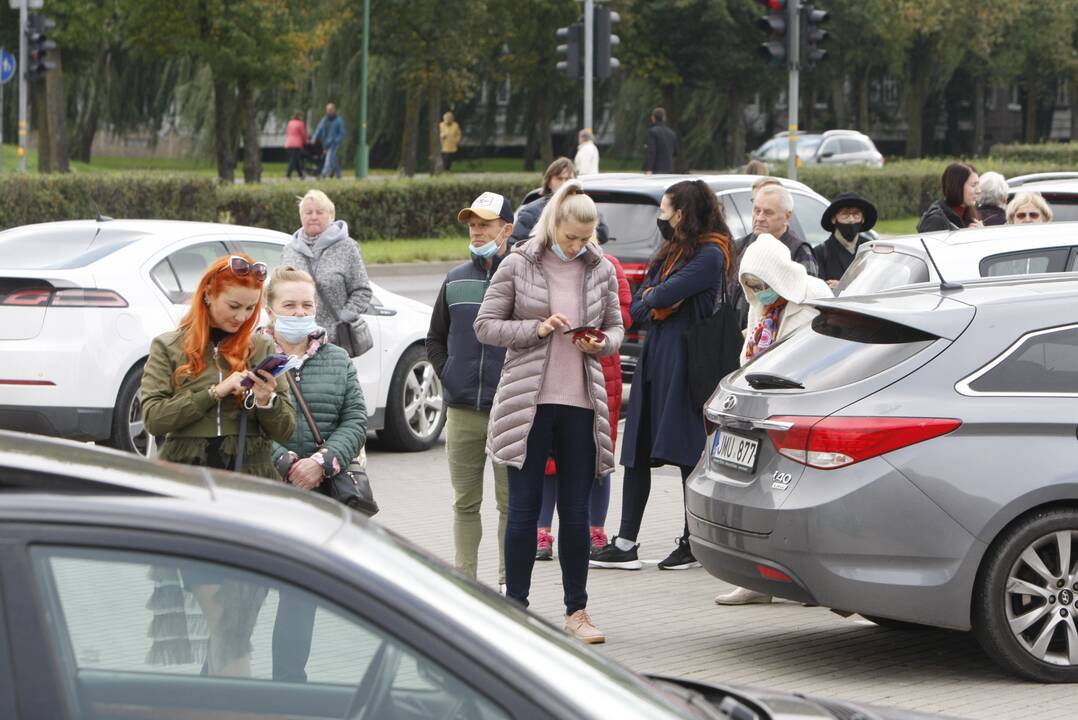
x: 766, y: 381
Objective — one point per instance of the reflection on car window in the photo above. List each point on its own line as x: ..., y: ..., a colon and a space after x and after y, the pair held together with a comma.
x: 269, y: 253
x: 1046, y: 362
x: 187, y: 265
x: 1018, y: 266
x: 808, y: 211
x: 733, y: 218
x: 1064, y: 212
x: 870, y: 272
x: 633, y: 232
x: 160, y: 634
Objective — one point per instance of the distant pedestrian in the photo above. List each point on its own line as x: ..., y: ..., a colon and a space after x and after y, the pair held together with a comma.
x: 330, y: 132
x: 957, y: 208
x: 470, y: 371
x: 552, y: 398
x: 323, y: 248
x: 587, y: 154
x: 559, y: 172
x: 295, y: 140
x: 663, y: 426
x: 757, y: 167
x: 846, y: 218
x: 993, y: 199
x: 1028, y: 208
x: 449, y: 133
x: 661, y: 147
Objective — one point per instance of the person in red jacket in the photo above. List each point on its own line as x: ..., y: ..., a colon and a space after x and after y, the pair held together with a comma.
x: 295, y: 139
x: 600, y: 492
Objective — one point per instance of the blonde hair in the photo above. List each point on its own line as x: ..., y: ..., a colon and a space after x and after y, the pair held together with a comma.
x: 1027, y: 198
x: 320, y: 199
x: 569, y: 203
x: 284, y: 274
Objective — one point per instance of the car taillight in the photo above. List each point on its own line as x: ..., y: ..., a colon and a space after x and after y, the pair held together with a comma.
x: 71, y: 297
x: 634, y: 273
x: 834, y: 442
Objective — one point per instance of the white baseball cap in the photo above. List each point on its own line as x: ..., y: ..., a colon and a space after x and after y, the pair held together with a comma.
x: 488, y: 206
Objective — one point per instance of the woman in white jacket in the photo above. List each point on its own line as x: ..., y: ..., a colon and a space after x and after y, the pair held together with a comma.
x: 776, y: 288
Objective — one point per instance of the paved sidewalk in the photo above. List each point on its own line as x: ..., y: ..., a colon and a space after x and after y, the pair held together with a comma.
x: 667, y: 622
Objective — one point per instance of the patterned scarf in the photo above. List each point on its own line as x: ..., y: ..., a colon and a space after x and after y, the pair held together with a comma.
x: 763, y: 335
x: 314, y: 341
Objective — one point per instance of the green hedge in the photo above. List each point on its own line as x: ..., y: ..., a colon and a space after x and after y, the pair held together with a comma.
x: 375, y: 209
x: 1063, y: 155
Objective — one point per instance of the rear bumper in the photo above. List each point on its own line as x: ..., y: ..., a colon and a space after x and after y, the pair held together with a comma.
x: 739, y: 567
x: 66, y: 422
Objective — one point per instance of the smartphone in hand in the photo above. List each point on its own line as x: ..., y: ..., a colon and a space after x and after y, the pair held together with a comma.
x: 273, y: 364
x: 588, y: 331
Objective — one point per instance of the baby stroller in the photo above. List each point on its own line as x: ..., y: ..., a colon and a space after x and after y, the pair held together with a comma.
x: 313, y: 158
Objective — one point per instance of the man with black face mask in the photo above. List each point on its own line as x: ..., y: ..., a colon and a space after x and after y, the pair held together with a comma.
x: 846, y: 218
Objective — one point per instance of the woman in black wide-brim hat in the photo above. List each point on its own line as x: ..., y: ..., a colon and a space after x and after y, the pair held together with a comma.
x: 846, y: 218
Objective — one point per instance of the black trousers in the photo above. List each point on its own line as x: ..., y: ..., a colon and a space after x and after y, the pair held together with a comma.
x: 292, y: 632
x: 295, y: 161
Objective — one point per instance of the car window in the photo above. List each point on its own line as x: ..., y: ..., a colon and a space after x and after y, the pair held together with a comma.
x: 161, y: 635
x: 1024, y: 263
x: 1064, y: 212
x: 807, y: 213
x: 634, y: 236
x: 733, y: 218
x: 852, y: 145
x: 872, y: 271
x: 1045, y: 362
x: 742, y: 201
x: 179, y: 273
x: 269, y: 253
x: 830, y: 146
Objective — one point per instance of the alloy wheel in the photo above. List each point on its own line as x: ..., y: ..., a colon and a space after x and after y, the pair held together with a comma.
x: 137, y: 428
x: 1042, y: 599
x: 423, y: 406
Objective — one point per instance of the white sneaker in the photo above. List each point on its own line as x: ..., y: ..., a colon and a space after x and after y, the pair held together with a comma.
x: 742, y: 596
x: 501, y: 588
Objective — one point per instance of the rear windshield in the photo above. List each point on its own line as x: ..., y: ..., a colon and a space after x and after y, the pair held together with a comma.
x: 634, y: 236
x: 58, y: 250
x: 841, y: 348
x: 1063, y: 211
x: 873, y: 271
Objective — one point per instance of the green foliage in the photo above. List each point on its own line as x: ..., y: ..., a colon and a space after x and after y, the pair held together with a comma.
x: 1061, y: 155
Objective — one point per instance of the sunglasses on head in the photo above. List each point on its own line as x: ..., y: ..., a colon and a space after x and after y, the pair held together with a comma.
x: 1031, y: 215
x: 241, y: 268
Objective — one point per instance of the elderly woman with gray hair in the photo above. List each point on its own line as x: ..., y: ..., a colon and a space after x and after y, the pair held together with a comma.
x: 323, y: 248
x: 993, y: 198
x: 1028, y: 208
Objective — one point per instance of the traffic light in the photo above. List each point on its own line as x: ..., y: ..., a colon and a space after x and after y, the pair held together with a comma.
x: 38, y: 28
x: 814, y: 35
x: 571, y: 50
x: 777, y: 24
x: 605, y: 42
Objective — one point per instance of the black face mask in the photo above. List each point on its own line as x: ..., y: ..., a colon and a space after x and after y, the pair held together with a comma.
x: 665, y: 228
x: 849, y: 231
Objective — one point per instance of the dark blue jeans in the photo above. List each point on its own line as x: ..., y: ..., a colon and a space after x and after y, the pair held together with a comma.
x: 569, y: 433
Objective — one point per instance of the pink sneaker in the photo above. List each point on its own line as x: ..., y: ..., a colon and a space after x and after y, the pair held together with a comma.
x: 544, y: 545
x: 598, y: 539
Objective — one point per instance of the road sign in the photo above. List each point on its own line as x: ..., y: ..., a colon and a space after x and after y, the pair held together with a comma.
x: 7, y: 65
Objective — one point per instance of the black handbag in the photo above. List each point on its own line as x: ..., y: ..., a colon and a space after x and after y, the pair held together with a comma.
x: 713, y: 344
x: 354, y: 338
x: 351, y: 486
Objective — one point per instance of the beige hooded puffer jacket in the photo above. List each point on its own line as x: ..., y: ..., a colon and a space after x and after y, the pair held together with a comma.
x: 517, y: 300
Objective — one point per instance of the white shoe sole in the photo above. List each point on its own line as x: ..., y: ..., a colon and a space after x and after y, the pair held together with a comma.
x: 686, y: 566
x: 630, y: 565
x: 754, y: 601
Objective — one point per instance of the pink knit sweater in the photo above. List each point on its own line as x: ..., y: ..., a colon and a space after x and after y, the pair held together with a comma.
x: 564, y: 382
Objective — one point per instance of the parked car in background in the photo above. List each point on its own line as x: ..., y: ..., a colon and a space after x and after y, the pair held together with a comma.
x: 1059, y: 189
x: 961, y: 255
x: 910, y: 457
x: 95, y: 541
x: 833, y: 147
x: 80, y: 302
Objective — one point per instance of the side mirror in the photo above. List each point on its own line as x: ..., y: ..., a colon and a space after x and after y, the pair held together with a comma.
x: 824, y: 156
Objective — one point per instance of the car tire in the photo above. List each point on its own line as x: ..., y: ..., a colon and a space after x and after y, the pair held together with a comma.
x: 1031, y: 633
x: 889, y: 624
x: 128, y: 432
x: 415, y: 412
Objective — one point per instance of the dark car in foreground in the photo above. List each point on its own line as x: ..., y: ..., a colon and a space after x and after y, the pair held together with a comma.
x: 98, y: 550
x: 910, y: 457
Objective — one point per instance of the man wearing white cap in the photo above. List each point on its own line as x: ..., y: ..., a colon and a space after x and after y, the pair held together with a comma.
x: 470, y: 371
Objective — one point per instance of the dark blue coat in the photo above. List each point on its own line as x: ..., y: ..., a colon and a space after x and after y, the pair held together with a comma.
x: 469, y: 370
x: 529, y: 214
x: 677, y: 429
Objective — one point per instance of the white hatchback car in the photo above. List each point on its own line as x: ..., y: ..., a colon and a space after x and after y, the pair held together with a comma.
x: 81, y: 300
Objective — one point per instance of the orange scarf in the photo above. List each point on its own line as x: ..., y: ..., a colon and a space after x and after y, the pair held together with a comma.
x: 669, y: 264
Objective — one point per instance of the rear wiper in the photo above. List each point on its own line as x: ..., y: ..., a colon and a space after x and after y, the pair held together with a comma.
x: 765, y: 381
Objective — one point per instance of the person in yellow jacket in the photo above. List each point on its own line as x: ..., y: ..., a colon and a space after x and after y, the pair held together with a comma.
x: 449, y: 131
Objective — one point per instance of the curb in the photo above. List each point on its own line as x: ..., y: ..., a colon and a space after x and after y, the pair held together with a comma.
x: 439, y: 267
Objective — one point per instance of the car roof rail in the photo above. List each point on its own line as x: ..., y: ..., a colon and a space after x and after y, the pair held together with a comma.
x: 1036, y: 177
x: 841, y: 131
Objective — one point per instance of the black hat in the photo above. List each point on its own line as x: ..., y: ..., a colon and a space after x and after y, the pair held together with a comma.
x: 849, y: 199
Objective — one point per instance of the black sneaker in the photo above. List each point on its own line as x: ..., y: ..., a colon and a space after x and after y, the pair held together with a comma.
x: 681, y: 558
x: 615, y: 558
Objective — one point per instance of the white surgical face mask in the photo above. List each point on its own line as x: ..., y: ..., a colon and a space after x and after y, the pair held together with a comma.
x: 294, y: 328
x: 486, y: 251
x: 556, y: 249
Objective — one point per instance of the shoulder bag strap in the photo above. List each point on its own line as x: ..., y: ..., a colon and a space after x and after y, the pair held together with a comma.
x: 297, y: 394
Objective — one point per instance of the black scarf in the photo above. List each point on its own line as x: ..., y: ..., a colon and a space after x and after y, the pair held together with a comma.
x: 833, y: 258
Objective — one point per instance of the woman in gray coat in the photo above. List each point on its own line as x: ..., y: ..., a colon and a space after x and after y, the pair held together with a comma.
x: 551, y: 399
x: 323, y: 249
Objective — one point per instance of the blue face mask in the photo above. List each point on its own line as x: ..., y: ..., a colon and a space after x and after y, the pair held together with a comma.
x: 767, y: 297
x: 556, y: 249
x: 294, y: 328
x: 484, y: 251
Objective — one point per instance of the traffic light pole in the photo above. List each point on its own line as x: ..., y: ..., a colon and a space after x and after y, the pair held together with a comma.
x: 793, y: 31
x: 589, y: 63
x: 24, y: 130
x: 362, y: 151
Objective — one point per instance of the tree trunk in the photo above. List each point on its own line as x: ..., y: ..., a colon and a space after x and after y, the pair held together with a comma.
x: 531, y: 143
x: 44, y: 138
x: 915, y: 112
x: 978, y: 116
x: 1031, y: 113
x: 222, y: 130
x: 88, y: 131
x: 252, y: 161
x: 546, y: 131
x: 56, y: 101
x: 737, y: 130
x: 434, y: 118
x: 838, y: 102
x: 862, y: 103
x: 410, y: 140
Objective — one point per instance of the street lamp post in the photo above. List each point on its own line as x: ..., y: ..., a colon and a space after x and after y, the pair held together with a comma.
x: 362, y: 151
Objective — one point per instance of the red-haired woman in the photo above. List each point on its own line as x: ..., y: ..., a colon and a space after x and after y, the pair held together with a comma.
x: 192, y: 393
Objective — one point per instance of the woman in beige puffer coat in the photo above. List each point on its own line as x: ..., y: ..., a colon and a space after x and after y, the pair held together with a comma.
x: 551, y: 399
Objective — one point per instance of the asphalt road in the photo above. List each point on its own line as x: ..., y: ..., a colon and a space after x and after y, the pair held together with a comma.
x: 417, y: 281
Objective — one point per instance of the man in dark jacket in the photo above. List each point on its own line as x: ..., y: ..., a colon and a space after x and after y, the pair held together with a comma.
x: 772, y: 211
x: 846, y: 218
x: 469, y: 371
x: 661, y: 147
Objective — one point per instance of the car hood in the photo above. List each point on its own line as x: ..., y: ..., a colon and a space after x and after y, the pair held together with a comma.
x: 758, y: 704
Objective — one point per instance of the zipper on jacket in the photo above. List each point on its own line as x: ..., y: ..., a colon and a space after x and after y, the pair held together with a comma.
x: 587, y: 378
x: 217, y: 364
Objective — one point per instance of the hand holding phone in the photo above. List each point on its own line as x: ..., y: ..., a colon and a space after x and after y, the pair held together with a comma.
x: 274, y: 364
x: 586, y: 331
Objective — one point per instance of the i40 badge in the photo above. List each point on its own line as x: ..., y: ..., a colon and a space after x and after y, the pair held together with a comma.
x: 781, y: 480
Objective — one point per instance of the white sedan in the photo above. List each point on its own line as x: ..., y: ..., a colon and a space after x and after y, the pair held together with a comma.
x: 81, y: 300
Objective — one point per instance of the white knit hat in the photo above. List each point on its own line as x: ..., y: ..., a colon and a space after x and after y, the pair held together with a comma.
x: 769, y: 259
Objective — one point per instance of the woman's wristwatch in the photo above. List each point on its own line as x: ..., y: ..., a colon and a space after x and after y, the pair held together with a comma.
x: 213, y: 392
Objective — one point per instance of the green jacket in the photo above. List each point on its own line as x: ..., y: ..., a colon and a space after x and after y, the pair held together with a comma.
x: 330, y: 387
x: 188, y: 416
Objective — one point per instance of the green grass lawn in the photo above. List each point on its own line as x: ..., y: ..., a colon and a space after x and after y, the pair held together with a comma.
x: 414, y: 250
x: 897, y: 226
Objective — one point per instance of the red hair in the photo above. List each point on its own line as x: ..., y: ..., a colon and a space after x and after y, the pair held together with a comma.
x: 195, y: 325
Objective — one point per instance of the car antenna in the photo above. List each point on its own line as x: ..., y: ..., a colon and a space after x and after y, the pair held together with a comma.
x: 97, y: 213
x: 944, y: 284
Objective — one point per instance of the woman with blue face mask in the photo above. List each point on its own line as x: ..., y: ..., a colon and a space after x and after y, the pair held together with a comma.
x: 328, y: 381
